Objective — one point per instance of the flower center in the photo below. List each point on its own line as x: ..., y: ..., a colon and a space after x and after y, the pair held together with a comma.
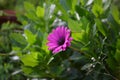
x: 61, y: 41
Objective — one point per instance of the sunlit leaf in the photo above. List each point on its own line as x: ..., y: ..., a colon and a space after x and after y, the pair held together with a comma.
x: 30, y: 37
x: 74, y: 25
x: 97, y: 8
x: 40, y: 12
x: 28, y: 6
x: 30, y: 59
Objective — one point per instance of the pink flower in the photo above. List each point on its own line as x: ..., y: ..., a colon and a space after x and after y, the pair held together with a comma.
x: 59, y: 39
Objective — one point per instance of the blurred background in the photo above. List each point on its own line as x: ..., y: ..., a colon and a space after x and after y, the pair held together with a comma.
x: 10, y: 68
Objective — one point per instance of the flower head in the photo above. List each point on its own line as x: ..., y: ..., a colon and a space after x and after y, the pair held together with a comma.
x: 59, y: 39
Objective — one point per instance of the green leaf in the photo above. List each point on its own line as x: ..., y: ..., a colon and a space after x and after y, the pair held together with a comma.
x: 83, y: 30
x: 117, y: 55
x: 72, y: 4
x: 85, y: 23
x: 65, y: 15
x: 28, y: 6
x: 115, y: 13
x: 83, y: 12
x: 19, y: 38
x: 16, y: 48
x: 97, y: 8
x: 74, y: 25
x: 30, y: 59
x: 44, y: 46
x: 100, y: 27
x: 112, y: 63
x: 77, y: 42
x: 30, y: 10
x: 6, y: 26
x: 83, y: 2
x: 31, y: 38
x: 66, y: 5
x: 118, y: 44
x: 40, y: 12
x: 98, y: 2
x: 27, y: 70
x: 80, y: 38
x: 113, y: 24
x: 107, y: 4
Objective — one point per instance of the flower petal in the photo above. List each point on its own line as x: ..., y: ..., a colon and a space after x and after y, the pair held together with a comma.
x: 58, y: 49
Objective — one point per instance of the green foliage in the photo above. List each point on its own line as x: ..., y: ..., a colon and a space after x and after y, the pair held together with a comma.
x: 94, y: 53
